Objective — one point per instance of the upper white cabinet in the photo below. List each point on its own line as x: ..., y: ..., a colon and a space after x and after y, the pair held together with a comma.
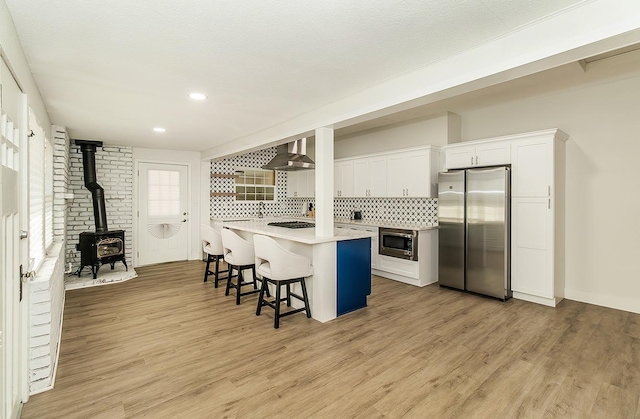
x: 301, y: 184
x: 490, y: 153
x: 369, y: 176
x: 410, y: 173
x: 533, y: 171
x: 413, y: 173
x: 343, y: 178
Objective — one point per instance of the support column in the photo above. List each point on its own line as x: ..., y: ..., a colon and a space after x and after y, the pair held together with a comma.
x: 324, y: 182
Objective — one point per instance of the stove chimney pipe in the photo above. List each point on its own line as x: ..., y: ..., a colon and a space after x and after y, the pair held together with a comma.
x: 90, y: 182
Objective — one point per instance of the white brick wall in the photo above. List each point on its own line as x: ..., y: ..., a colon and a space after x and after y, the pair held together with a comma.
x: 114, y: 169
x: 60, y: 181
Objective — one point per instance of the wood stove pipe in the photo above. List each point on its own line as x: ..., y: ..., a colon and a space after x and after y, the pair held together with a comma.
x: 90, y: 182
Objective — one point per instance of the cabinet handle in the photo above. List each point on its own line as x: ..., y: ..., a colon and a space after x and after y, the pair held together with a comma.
x: 407, y: 191
x: 549, y: 204
x: 549, y: 190
x: 476, y: 159
x: 472, y: 160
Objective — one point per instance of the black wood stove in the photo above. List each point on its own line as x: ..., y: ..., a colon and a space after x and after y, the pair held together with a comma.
x: 97, y: 249
x: 103, y: 246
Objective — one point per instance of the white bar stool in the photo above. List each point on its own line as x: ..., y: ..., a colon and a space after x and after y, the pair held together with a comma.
x: 239, y: 255
x: 212, y: 246
x: 280, y: 266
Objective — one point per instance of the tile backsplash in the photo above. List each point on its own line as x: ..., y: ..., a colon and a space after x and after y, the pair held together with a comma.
x: 401, y: 210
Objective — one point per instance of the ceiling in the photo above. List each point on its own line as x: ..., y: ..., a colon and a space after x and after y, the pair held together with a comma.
x: 114, y: 70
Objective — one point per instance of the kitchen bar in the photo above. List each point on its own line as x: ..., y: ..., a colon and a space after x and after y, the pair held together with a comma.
x: 342, y: 263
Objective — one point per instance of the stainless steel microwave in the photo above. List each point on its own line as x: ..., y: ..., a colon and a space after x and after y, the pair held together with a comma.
x: 398, y: 243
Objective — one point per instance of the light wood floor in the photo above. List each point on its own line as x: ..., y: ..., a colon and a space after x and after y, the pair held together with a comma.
x: 167, y: 345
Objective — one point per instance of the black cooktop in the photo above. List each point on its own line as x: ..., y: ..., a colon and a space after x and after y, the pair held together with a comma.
x: 292, y: 224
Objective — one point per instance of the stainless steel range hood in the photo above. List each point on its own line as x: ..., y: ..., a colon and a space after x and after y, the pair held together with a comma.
x: 292, y: 156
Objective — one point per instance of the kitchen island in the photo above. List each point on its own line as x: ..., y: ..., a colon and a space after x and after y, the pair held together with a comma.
x: 342, y: 263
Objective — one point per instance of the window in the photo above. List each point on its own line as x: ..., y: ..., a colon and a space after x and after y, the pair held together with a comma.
x: 255, y: 185
x: 40, y: 192
x: 164, y: 193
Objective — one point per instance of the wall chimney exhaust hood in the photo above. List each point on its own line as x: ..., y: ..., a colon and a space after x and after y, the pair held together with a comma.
x: 292, y: 156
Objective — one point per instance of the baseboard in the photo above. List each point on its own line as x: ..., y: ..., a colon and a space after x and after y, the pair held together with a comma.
x: 399, y: 278
x: 550, y: 302
x: 619, y: 303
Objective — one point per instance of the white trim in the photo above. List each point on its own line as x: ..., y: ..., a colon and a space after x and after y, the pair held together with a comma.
x: 619, y: 303
x: 136, y: 197
x: 550, y: 302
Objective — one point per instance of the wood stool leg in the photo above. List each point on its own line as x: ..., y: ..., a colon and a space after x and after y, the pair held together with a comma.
x: 261, y: 297
x: 230, y: 271
x: 288, y: 295
x: 206, y: 270
x: 306, y: 298
x: 239, y: 285
x: 217, y: 273
x: 276, y: 318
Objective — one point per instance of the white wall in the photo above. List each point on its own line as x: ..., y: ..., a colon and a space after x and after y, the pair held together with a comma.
x: 192, y: 159
x: 12, y: 50
x: 602, y: 172
x: 432, y: 130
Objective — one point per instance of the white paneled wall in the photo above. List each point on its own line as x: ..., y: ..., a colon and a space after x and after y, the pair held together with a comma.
x: 47, y: 303
x: 47, y: 290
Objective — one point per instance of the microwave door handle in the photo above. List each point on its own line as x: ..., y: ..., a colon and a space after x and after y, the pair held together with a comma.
x: 406, y: 236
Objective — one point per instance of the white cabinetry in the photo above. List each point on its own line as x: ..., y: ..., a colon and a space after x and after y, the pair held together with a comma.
x: 489, y: 153
x: 410, y: 173
x: 369, y: 176
x: 374, y: 239
x: 413, y: 173
x: 343, y: 178
x: 421, y: 272
x: 537, y: 217
x: 301, y: 184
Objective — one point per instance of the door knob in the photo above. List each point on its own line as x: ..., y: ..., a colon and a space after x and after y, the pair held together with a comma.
x: 24, y: 234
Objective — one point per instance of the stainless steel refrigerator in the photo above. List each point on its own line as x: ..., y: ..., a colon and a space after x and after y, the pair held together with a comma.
x: 474, y: 230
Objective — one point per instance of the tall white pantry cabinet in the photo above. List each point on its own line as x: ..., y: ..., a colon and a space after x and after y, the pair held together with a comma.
x: 537, y: 206
x: 537, y: 217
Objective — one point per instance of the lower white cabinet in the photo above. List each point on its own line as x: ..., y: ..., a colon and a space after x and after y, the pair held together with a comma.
x: 532, y: 247
x: 422, y: 272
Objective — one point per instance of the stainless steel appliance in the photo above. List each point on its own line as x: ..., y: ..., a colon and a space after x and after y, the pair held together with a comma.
x: 474, y: 230
x: 398, y: 243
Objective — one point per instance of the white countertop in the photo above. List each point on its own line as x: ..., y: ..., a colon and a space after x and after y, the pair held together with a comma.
x: 364, y: 223
x: 301, y: 235
x: 369, y: 223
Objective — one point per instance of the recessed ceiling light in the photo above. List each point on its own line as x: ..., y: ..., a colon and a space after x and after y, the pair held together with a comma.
x: 159, y: 129
x: 197, y: 96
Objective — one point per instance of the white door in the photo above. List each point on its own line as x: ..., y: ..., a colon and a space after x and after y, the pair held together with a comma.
x: 12, y: 352
x: 163, y: 218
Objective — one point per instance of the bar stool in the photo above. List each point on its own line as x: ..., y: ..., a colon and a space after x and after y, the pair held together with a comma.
x: 239, y: 255
x: 279, y: 266
x: 212, y: 246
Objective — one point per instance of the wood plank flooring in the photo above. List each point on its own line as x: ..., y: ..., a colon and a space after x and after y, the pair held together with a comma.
x: 167, y: 345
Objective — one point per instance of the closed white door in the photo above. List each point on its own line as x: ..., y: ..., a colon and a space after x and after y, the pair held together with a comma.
x: 12, y: 351
x: 163, y: 218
